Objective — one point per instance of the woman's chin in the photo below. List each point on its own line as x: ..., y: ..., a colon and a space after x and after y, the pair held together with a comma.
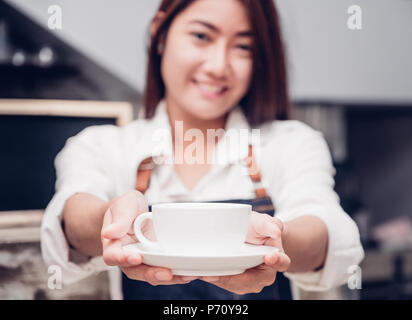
x: 207, y: 111
x: 207, y: 114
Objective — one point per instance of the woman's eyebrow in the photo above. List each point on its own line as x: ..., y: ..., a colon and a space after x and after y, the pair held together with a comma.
x: 217, y: 30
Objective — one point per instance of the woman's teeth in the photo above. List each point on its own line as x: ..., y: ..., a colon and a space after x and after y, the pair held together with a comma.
x: 211, y: 88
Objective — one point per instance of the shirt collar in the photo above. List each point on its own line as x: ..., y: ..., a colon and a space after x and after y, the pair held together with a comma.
x: 232, y: 147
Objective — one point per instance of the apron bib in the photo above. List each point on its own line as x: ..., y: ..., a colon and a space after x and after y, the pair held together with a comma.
x: 197, y: 289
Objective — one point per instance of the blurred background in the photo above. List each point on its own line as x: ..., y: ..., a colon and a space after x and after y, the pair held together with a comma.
x: 353, y: 85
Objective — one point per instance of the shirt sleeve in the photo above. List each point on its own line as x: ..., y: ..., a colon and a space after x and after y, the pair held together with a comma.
x: 306, y: 187
x: 80, y: 167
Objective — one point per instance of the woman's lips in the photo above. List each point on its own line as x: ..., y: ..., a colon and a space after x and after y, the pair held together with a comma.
x: 210, y: 91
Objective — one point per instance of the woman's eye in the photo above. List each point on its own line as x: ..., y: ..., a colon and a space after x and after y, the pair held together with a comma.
x: 200, y: 36
x: 243, y: 47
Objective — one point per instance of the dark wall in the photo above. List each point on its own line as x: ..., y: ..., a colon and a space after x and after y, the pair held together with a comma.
x: 380, y: 158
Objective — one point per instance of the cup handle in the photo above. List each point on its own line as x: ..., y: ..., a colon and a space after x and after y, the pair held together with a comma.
x: 137, y: 228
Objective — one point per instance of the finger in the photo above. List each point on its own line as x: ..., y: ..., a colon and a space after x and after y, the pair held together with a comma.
x: 278, y: 261
x: 189, y: 278
x: 271, y: 258
x: 210, y: 278
x: 279, y: 223
x: 269, y: 227
x: 107, y: 220
x: 251, y: 281
x: 264, y: 226
x: 155, y: 275
x: 277, y: 243
x: 265, y: 230
x: 283, y: 263
x: 123, y: 212
x: 114, y: 255
x: 232, y: 281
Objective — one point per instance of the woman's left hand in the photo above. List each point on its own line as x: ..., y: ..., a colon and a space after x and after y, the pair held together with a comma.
x: 263, y: 230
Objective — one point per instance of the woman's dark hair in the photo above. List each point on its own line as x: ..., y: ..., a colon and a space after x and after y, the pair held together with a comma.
x: 267, y: 98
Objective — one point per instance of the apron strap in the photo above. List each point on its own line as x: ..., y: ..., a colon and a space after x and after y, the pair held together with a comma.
x: 144, y: 173
x: 255, y: 175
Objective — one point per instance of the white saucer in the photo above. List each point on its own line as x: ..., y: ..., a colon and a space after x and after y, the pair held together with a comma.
x: 247, y: 257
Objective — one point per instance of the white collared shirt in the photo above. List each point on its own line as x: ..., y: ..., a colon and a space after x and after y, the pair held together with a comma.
x: 294, y: 160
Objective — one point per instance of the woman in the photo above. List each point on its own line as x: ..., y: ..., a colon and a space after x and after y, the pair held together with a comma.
x: 213, y: 65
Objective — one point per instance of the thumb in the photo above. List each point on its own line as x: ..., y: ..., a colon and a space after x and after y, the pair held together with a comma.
x: 122, y: 214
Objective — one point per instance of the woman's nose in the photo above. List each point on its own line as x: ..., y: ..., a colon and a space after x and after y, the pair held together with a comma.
x: 217, y: 62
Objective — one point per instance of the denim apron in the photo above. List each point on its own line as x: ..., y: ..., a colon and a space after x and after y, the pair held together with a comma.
x: 197, y: 289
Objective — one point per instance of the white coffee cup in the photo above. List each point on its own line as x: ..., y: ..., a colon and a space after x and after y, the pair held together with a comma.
x: 196, y: 228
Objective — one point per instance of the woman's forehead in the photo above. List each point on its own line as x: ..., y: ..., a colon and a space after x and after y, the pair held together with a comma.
x: 222, y: 14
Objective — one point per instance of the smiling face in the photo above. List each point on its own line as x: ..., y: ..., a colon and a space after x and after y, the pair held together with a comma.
x: 207, y: 59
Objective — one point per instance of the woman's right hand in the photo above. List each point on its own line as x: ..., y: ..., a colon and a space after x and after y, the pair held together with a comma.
x: 117, y: 231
